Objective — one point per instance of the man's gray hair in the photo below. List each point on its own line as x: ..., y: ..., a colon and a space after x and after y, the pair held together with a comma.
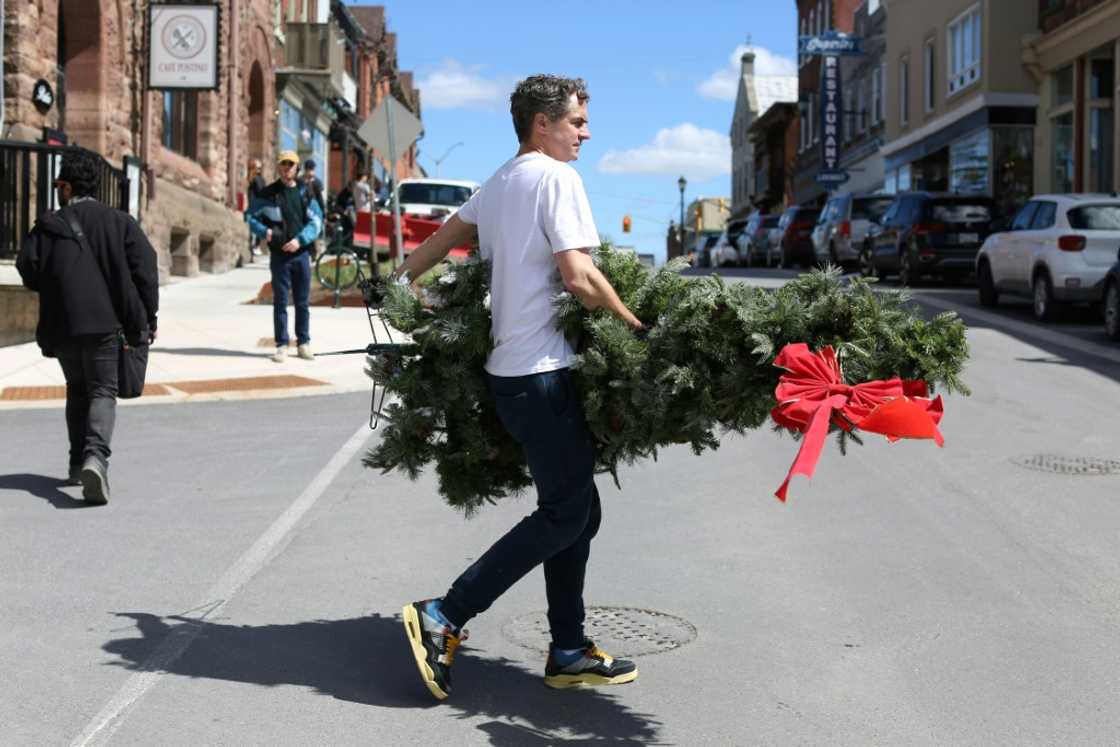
x: 550, y: 95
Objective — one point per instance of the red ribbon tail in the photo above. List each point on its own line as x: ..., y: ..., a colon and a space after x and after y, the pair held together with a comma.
x: 811, y: 446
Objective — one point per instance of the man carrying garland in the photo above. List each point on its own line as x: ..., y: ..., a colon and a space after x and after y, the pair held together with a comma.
x: 534, y: 224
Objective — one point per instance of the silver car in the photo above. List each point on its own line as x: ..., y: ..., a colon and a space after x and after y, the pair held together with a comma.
x: 842, y: 227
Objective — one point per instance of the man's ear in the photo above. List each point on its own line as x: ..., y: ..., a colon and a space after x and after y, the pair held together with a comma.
x: 540, y: 122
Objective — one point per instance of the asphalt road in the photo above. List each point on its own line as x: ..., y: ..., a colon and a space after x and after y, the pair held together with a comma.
x: 242, y: 586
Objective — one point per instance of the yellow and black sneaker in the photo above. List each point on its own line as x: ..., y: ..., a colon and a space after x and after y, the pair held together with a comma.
x: 433, y: 644
x: 593, y: 667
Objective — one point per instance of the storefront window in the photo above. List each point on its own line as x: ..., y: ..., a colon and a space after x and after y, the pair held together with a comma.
x: 1102, y: 73
x: 968, y: 163
x: 1013, y: 171
x: 1100, y: 149
x: 1063, y: 86
x: 904, y: 179
x: 289, y: 127
x: 1061, y: 128
x: 890, y: 182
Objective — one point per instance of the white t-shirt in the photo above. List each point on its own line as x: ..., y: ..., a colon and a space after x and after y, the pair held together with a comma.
x: 531, y: 208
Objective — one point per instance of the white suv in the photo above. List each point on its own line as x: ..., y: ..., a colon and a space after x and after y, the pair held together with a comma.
x: 1057, y: 251
x: 434, y: 199
x: 842, y: 228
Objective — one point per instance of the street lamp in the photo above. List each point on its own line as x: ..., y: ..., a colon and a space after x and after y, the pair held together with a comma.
x: 682, y: 183
x: 440, y: 160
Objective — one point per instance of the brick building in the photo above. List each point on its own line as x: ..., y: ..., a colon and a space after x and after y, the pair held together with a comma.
x: 279, y: 86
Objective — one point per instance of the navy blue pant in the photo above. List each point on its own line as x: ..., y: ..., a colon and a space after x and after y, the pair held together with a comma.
x: 89, y: 363
x: 544, y: 414
x: 291, y: 273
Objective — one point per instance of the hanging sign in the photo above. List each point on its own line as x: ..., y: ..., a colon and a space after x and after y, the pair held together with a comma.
x: 42, y: 96
x: 830, y: 115
x: 830, y: 43
x: 183, y: 46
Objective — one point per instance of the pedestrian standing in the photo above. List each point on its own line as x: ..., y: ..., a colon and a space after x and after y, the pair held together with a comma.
x: 532, y: 218
x: 313, y: 183
x: 289, y: 219
x: 255, y: 186
x: 361, y: 191
x: 89, y: 297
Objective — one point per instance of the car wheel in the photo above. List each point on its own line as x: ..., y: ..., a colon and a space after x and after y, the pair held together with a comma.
x: 905, y: 269
x: 1112, y: 311
x: 985, y: 286
x: 1046, y: 308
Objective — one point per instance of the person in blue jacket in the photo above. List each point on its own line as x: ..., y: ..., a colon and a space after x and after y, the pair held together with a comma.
x: 288, y: 217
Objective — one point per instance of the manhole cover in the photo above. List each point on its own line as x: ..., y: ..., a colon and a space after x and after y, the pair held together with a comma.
x: 1067, y: 465
x: 620, y: 631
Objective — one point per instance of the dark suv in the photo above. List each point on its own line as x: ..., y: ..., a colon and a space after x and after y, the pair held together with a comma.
x: 929, y: 233
x: 796, y: 227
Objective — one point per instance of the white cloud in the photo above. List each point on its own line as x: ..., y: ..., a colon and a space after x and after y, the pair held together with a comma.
x: 453, y: 85
x: 686, y: 149
x: 723, y: 84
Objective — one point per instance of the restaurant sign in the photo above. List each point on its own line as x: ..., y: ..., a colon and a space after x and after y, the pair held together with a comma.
x: 183, y: 46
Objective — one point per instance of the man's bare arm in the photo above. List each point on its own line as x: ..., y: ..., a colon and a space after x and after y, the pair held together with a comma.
x: 590, y: 286
x: 451, y: 234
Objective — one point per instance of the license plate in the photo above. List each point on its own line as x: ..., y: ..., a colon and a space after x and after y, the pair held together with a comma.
x: 969, y: 238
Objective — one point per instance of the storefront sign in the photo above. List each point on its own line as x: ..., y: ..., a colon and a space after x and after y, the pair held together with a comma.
x: 42, y: 96
x: 830, y: 43
x: 830, y: 122
x: 183, y: 46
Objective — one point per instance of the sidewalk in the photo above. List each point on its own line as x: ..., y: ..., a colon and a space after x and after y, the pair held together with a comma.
x: 214, y: 343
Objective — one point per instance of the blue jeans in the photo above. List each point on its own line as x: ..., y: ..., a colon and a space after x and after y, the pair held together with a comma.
x: 291, y: 273
x: 544, y: 414
x: 89, y: 363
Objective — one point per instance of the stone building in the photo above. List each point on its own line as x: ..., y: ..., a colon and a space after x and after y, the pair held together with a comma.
x: 755, y: 96
x: 193, y: 145
x: 279, y: 86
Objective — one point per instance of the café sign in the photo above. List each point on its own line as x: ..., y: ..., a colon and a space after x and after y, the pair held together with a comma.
x: 183, y: 46
x: 830, y: 43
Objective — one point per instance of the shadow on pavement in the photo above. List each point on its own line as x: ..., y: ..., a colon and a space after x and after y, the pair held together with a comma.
x: 213, y: 352
x: 43, y: 487
x: 367, y: 660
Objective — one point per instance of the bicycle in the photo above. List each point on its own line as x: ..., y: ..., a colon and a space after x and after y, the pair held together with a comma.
x: 338, y: 268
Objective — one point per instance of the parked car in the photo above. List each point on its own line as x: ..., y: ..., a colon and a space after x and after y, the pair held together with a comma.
x: 434, y: 199
x: 1112, y: 300
x: 754, y: 243
x: 842, y: 227
x: 773, y: 243
x: 930, y: 233
x: 1057, y: 250
x: 795, y: 244
x: 701, y: 252
x: 724, y: 251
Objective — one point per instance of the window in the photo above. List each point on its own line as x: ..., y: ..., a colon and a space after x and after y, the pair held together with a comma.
x: 964, y: 50
x: 822, y: 20
x: 180, y: 122
x: 861, y: 106
x: 802, y: 59
x: 877, y: 81
x: 849, y: 122
x: 1044, y: 217
x: 1061, y: 129
x: 929, y: 80
x: 1101, y: 76
x: 904, y: 92
x: 814, y: 113
x: 813, y: 21
x: 1095, y: 218
x: 1024, y: 217
x: 968, y: 163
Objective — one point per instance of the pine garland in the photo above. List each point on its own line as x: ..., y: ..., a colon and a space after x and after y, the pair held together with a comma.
x: 704, y: 369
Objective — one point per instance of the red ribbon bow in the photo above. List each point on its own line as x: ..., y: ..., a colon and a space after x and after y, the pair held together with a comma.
x: 811, y: 393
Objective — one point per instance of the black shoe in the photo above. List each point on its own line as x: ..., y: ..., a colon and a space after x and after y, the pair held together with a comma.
x: 595, y: 667
x: 433, y: 645
x: 95, y: 482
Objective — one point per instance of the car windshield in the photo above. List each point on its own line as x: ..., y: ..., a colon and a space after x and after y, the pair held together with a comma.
x: 451, y: 195
x: 710, y: 241
x: 735, y: 229
x: 959, y: 211
x: 1095, y: 218
x: 870, y: 208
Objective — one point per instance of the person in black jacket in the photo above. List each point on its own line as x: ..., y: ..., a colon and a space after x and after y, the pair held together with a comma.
x: 87, y: 300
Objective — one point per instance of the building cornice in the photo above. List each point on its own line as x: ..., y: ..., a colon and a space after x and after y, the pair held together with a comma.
x: 1074, y: 38
x: 974, y: 104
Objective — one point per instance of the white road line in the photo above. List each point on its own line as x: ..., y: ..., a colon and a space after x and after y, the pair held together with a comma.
x: 102, y: 726
x: 1029, y: 330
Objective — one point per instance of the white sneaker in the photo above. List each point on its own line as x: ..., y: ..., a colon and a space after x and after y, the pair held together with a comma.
x: 279, y: 355
x: 304, y: 351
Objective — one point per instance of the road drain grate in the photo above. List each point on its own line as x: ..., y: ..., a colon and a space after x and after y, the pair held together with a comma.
x: 620, y: 631
x: 1067, y: 465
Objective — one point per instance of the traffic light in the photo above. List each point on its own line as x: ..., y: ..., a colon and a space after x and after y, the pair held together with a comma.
x: 626, y: 224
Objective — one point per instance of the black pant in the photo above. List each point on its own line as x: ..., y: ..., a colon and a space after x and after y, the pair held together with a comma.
x: 544, y: 414
x: 89, y: 363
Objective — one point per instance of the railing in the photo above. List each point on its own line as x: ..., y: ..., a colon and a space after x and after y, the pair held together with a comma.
x: 27, y: 174
x: 1053, y: 13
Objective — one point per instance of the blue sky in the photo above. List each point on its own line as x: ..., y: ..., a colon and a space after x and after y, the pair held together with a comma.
x: 661, y: 75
